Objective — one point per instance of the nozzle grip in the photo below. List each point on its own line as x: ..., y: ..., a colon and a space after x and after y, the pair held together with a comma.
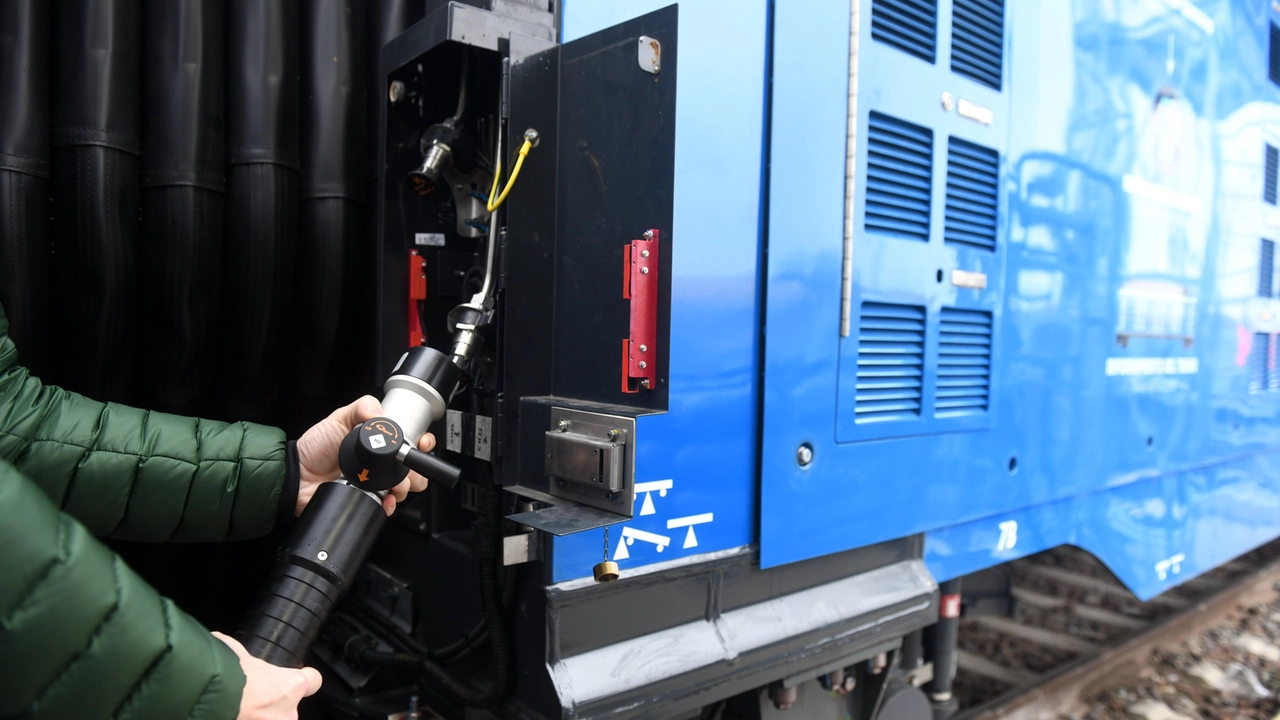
x: 432, y: 468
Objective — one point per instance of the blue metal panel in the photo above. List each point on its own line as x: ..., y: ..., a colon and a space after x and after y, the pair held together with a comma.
x: 1132, y: 142
x: 705, y: 444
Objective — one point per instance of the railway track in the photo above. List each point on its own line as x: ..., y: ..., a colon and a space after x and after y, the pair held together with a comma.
x: 1076, y: 630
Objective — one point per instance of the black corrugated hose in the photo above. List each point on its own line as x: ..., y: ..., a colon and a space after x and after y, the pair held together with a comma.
x: 96, y: 147
x: 262, y: 202
x: 25, y: 171
x: 183, y: 188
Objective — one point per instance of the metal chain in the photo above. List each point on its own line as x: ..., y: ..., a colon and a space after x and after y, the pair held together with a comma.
x: 606, y: 542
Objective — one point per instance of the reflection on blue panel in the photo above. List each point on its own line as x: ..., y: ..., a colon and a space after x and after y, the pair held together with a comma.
x: 1132, y: 354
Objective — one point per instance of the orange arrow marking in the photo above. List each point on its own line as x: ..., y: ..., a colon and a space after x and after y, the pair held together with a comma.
x: 364, y: 475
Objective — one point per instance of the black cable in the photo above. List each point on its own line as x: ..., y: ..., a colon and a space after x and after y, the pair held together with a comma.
x: 489, y: 534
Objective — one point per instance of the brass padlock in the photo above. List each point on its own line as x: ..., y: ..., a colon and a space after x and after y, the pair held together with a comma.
x: 606, y: 571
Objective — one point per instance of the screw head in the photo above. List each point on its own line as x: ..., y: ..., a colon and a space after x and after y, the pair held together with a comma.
x: 614, y: 434
x: 948, y: 101
x: 644, y: 253
x: 648, y: 234
x: 644, y: 271
x: 804, y: 455
x: 532, y: 136
x: 396, y: 91
x: 563, y: 426
x: 644, y: 348
x: 322, y: 556
x: 643, y: 365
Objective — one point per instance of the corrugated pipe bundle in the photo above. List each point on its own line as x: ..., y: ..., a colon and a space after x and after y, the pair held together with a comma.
x: 209, y: 165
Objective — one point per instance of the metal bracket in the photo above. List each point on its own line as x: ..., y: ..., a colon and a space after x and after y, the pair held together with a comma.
x: 591, y: 460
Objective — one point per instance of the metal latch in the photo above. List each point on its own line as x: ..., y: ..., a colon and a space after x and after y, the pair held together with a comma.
x: 580, y: 458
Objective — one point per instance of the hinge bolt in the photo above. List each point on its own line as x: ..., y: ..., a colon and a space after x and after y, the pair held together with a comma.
x: 563, y: 426
x: 804, y: 455
x: 648, y: 234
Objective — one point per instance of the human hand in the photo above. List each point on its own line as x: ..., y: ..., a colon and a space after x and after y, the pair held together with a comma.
x: 318, y: 453
x: 270, y: 692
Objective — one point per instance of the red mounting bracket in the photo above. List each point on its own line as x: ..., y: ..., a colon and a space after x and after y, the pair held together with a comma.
x: 417, y: 292
x: 640, y: 286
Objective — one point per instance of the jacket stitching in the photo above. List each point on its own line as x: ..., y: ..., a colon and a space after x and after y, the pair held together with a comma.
x: 182, y: 516
x: 58, y: 560
x: 133, y: 479
x: 92, y: 641
x: 185, y: 461
x: 235, y: 475
x: 155, y: 663
x: 202, y: 693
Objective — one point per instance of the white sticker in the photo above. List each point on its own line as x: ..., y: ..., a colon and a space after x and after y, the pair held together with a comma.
x: 1008, y: 535
x: 631, y: 535
x: 378, y: 441
x: 429, y: 239
x: 690, y: 540
x: 1122, y: 366
x: 662, y: 486
x: 1170, y: 565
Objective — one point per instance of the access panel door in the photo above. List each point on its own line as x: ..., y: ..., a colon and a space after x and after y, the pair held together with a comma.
x: 885, y: 268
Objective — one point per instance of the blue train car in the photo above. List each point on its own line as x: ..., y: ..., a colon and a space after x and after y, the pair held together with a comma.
x: 1000, y: 276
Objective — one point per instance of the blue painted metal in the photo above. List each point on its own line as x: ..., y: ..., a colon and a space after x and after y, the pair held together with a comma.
x: 1122, y: 414
x: 705, y: 445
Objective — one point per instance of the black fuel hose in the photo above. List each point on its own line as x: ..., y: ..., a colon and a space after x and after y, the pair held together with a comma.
x: 183, y: 181
x: 25, y: 172
x: 96, y: 147
x: 262, y: 201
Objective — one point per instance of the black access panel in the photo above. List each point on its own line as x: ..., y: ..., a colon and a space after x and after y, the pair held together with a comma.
x: 599, y: 181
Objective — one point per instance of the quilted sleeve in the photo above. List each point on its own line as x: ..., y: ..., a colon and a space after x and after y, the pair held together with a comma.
x: 138, y: 475
x: 82, y: 636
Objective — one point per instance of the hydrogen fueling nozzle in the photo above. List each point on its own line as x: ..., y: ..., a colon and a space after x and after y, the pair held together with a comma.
x: 319, y: 559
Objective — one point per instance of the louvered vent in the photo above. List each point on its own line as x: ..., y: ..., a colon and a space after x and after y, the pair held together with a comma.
x: 1270, y: 170
x: 1273, y: 55
x: 909, y: 25
x: 899, y: 177
x: 1260, y: 362
x: 1266, y: 269
x: 964, y: 363
x: 890, y: 362
x: 973, y: 176
x: 977, y: 40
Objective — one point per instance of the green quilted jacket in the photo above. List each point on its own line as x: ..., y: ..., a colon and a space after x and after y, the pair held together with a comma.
x: 81, y: 635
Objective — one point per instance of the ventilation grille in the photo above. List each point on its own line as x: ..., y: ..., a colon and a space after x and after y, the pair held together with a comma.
x: 1260, y: 363
x: 1270, y: 169
x: 909, y: 25
x: 964, y: 363
x: 977, y: 40
x: 973, y: 175
x: 1266, y: 269
x: 899, y: 177
x: 1273, y: 55
x: 890, y: 362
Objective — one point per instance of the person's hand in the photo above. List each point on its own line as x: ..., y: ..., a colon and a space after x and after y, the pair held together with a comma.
x: 270, y: 692
x: 318, y: 453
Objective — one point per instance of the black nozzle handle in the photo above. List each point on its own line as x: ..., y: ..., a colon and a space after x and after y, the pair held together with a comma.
x: 432, y: 468
x: 315, y: 568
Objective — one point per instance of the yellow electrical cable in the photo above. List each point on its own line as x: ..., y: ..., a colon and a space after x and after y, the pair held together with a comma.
x: 493, y: 204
